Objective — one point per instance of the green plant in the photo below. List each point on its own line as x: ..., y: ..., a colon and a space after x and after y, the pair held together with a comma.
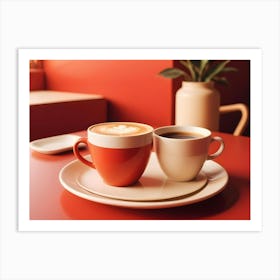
x: 199, y: 71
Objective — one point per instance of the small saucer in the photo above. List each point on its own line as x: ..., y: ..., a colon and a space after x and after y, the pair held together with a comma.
x: 54, y: 144
x: 73, y: 179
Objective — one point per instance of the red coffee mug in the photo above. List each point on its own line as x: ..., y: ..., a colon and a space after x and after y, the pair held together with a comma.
x: 120, y: 151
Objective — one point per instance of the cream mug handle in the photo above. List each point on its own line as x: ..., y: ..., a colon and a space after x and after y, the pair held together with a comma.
x: 221, y: 148
x: 77, y: 152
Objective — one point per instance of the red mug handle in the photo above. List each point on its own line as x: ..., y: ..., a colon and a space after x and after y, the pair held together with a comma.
x: 77, y: 152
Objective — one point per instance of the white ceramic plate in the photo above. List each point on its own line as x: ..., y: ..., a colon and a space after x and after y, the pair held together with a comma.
x: 55, y: 144
x: 152, y: 186
x: 73, y: 179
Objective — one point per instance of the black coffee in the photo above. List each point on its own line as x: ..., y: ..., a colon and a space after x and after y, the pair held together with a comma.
x: 181, y: 135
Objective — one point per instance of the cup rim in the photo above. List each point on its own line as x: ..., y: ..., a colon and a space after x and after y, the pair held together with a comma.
x: 150, y: 129
x: 120, y: 141
x: 179, y: 128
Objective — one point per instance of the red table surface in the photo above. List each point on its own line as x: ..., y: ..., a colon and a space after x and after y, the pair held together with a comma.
x: 50, y: 201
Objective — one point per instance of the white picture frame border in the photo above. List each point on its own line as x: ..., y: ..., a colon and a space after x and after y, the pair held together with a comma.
x: 255, y: 57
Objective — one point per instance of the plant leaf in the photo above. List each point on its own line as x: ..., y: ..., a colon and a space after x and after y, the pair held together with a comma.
x: 229, y: 69
x: 216, y: 70
x: 196, y: 68
x: 173, y: 73
x: 188, y: 64
x: 184, y: 63
x: 221, y: 80
x: 203, y: 63
x: 202, y: 68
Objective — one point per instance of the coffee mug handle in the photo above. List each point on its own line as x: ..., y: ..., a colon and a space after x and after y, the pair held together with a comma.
x: 221, y: 148
x: 77, y: 152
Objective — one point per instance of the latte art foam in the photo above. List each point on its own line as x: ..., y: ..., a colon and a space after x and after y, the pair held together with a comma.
x: 120, y: 129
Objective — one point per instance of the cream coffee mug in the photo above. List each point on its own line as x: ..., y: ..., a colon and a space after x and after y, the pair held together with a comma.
x: 182, y: 150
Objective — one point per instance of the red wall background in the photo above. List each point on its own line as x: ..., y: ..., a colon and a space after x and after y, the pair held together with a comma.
x: 132, y: 87
x: 135, y: 91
